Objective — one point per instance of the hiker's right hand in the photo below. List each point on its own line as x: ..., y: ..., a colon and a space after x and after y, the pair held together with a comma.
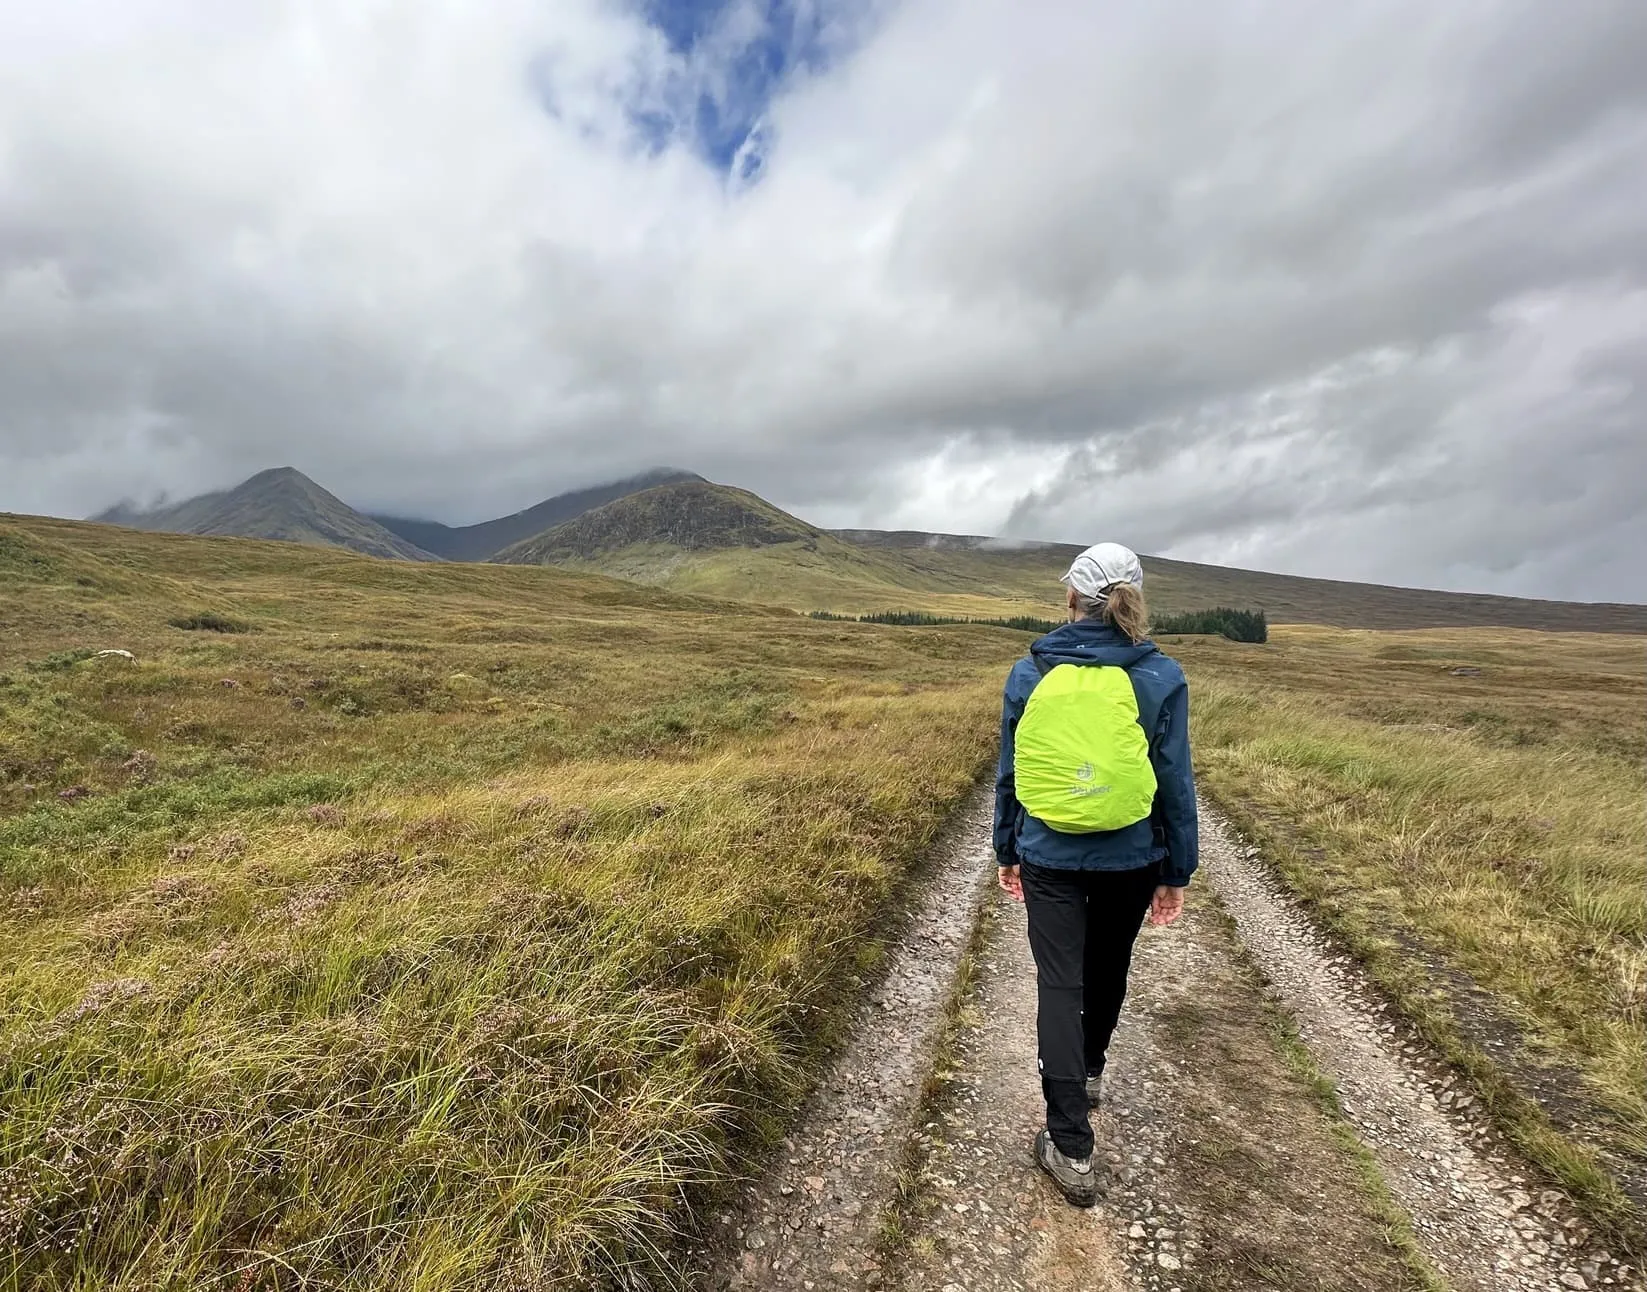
x: 1011, y: 882
x: 1167, y: 905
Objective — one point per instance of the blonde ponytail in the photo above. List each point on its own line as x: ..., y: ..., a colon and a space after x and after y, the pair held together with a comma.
x: 1124, y: 610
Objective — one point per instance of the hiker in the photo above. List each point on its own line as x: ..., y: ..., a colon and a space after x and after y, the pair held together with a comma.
x: 1095, y: 827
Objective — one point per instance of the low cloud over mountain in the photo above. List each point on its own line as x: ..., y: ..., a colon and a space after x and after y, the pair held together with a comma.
x: 1355, y: 290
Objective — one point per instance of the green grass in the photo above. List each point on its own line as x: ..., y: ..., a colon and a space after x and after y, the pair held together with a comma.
x: 1479, y: 840
x: 455, y: 928
x: 208, y: 621
x: 827, y: 573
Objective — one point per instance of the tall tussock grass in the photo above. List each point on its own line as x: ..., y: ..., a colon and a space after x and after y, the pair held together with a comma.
x: 414, y: 957
x: 370, y: 1051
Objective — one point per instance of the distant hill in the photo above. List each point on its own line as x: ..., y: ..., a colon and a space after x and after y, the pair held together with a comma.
x: 717, y: 541
x: 694, y: 516
x: 1285, y: 598
x: 487, y: 539
x: 280, y: 503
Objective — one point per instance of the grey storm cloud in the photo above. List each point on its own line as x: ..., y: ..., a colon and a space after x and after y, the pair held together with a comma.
x: 1357, y: 290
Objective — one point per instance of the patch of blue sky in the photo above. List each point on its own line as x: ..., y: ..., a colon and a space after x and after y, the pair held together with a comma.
x: 731, y: 58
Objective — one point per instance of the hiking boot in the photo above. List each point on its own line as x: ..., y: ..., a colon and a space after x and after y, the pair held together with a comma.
x: 1076, y: 1180
x: 1095, y: 1091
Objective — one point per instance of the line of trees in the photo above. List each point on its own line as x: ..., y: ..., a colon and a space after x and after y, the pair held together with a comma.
x: 1223, y: 621
x: 1237, y: 625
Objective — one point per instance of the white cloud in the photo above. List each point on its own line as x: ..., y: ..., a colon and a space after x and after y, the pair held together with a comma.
x: 1350, y: 289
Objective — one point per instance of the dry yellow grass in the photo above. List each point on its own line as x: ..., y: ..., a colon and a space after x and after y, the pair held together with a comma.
x: 451, y: 927
x: 448, y: 929
x: 1479, y: 838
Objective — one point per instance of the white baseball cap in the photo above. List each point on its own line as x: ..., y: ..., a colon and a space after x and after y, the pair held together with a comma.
x: 1102, y: 566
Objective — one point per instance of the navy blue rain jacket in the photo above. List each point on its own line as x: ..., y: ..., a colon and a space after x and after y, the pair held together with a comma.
x: 1169, y: 833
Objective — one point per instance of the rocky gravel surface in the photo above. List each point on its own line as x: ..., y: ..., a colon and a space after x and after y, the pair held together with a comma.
x: 986, y: 1218
x: 814, y: 1220
x: 1479, y: 1215
x: 1223, y: 1169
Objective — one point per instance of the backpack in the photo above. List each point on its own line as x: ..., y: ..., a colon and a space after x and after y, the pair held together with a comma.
x: 1080, y: 758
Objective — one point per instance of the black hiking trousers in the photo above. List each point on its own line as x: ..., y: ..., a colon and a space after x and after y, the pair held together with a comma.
x: 1082, y: 924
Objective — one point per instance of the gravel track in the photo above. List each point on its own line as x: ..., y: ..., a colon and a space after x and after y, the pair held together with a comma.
x: 1223, y: 1169
x: 987, y: 1220
x: 1196, y: 1082
x: 1481, y: 1222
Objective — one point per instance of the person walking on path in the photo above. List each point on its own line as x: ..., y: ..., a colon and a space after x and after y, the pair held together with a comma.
x: 1095, y: 827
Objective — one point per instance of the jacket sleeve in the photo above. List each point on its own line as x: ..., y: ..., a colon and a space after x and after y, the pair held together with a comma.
x: 1175, y: 792
x: 1006, y: 798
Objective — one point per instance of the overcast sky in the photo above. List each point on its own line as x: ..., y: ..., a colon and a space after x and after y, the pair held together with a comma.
x: 1354, y: 289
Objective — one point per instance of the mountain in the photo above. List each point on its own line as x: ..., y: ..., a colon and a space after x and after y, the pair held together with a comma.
x: 674, y: 529
x: 479, y: 542
x: 694, y: 516
x: 280, y: 503
x: 714, y: 540
x: 717, y: 541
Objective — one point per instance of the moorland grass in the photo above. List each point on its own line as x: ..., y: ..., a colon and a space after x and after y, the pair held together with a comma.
x: 1467, y: 830
x: 448, y: 928
x: 456, y: 928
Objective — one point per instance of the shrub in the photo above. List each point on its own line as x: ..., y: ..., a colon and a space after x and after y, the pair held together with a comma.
x: 59, y: 661
x: 209, y: 621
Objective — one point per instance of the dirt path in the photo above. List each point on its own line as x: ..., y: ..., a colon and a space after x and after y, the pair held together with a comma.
x: 1227, y: 1170
x: 1230, y: 1169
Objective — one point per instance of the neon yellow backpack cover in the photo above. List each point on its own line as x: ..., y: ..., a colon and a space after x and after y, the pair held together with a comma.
x: 1080, y: 759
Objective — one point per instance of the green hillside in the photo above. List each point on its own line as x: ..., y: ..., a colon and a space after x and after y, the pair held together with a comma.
x: 482, y: 541
x: 694, y: 517
x: 720, y: 542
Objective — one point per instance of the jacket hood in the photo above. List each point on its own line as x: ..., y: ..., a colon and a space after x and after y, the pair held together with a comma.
x: 1088, y: 641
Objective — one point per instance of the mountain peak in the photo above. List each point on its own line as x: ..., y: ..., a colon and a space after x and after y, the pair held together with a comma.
x: 279, y: 503
x: 690, y: 515
x: 277, y: 475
